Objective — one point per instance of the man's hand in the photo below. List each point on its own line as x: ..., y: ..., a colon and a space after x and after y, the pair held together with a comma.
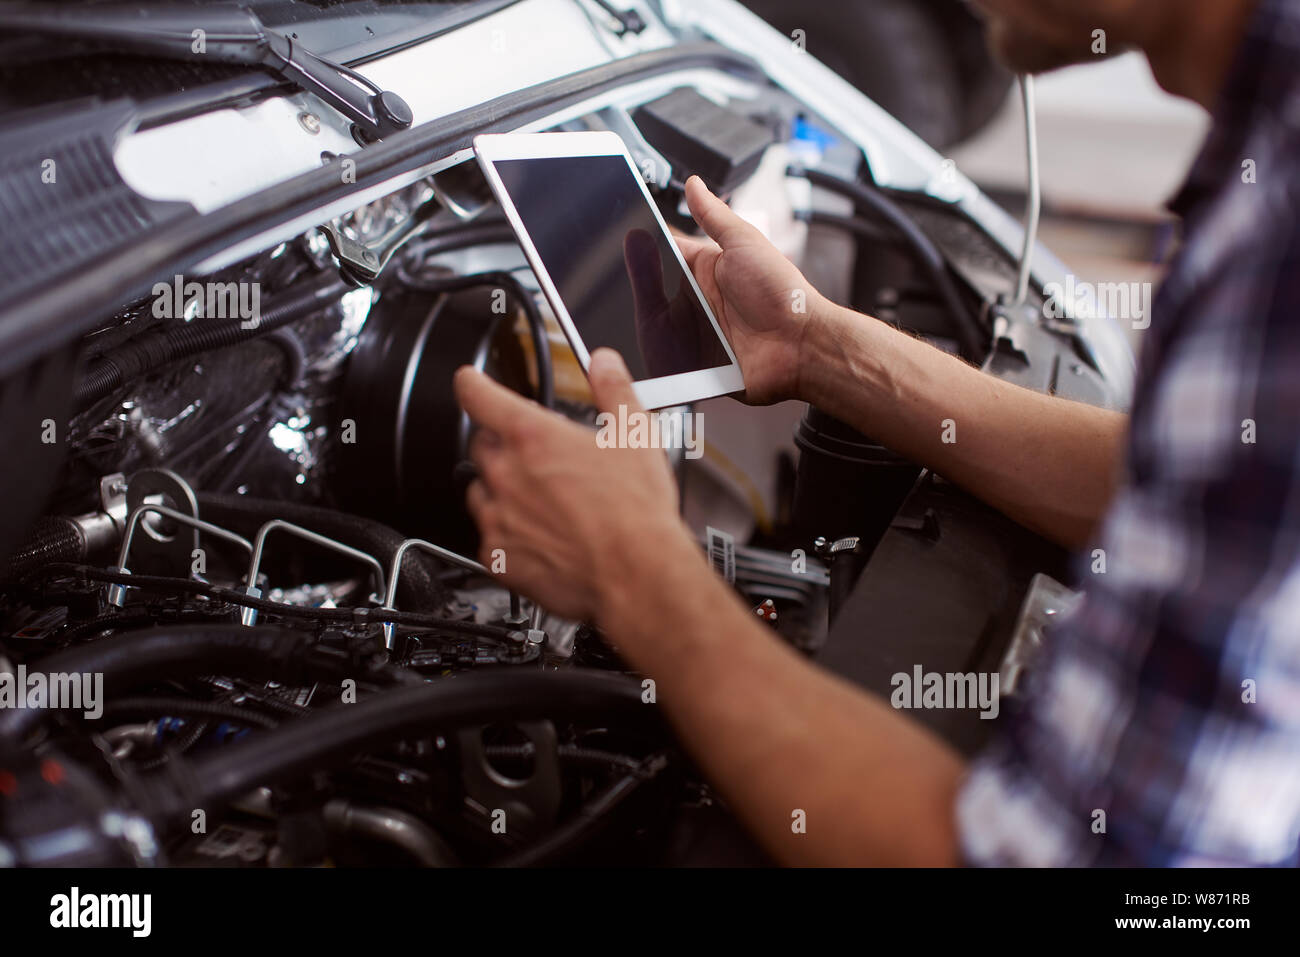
x: 593, y: 534
x: 672, y: 334
x: 762, y: 301
x: 569, y: 517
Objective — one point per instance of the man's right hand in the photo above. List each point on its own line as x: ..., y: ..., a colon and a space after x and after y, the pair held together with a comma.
x: 762, y: 301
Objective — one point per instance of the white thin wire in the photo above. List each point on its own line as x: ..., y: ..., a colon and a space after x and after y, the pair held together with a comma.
x: 1035, y: 190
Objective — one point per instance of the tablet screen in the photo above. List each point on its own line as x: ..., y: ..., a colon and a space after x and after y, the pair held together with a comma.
x: 612, y: 264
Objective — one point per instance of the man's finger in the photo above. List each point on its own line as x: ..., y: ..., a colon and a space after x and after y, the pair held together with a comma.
x: 488, y: 403
x: 611, y: 383
x: 716, y: 218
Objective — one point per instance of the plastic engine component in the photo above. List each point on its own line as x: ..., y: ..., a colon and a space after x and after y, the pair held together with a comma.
x: 697, y: 135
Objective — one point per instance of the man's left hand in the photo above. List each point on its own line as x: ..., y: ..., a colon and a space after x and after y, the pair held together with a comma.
x: 561, y: 519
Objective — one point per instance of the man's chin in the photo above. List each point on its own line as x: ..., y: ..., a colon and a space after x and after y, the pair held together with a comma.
x: 1024, y: 52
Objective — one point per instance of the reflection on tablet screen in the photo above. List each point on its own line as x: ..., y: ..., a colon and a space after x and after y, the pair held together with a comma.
x: 611, y: 262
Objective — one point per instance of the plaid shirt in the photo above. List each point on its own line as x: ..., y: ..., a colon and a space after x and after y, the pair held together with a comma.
x: 1171, y: 700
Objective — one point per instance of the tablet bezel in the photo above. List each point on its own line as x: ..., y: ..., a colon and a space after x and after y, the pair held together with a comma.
x: 653, y: 393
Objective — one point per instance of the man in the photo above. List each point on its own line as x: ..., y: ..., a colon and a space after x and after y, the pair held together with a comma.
x: 1171, y: 702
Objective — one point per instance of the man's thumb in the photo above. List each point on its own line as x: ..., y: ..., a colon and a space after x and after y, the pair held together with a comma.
x: 611, y: 383
x: 716, y: 217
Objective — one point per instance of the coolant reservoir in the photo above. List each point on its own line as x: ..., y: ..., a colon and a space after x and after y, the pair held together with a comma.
x: 769, y: 198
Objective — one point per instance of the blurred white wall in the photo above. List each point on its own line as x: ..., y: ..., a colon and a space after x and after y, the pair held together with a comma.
x: 1111, y: 142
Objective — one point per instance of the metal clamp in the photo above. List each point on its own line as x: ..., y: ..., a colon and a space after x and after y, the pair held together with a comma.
x: 249, y: 615
x: 515, y: 620
x: 117, y: 591
x: 362, y: 262
x: 394, y: 576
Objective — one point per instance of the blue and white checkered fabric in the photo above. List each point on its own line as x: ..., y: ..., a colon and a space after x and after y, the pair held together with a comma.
x: 1171, y: 701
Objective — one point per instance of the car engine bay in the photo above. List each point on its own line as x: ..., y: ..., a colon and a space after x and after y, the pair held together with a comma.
x: 245, y: 519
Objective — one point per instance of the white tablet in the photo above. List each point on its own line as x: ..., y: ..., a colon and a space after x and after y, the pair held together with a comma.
x: 607, y: 263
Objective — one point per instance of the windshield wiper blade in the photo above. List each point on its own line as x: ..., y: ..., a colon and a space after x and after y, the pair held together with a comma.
x: 228, y: 33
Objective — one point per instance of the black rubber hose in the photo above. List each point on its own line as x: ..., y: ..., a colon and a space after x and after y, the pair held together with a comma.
x: 326, y: 739
x: 875, y: 203
x: 419, y: 587
x: 295, y: 356
x: 187, y: 708
x: 133, y: 659
x: 479, y: 233
x: 865, y: 229
x: 396, y: 828
x: 54, y: 539
x: 536, y: 325
x: 589, y: 820
x: 154, y: 349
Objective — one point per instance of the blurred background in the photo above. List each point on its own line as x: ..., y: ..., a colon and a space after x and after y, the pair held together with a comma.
x: 1113, y: 150
x: 1113, y: 146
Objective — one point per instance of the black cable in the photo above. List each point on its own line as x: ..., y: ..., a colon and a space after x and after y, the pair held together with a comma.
x: 854, y: 224
x: 185, y: 707
x: 331, y: 737
x: 352, y: 616
x: 148, y: 349
x: 153, y: 349
x: 481, y: 232
x: 134, y: 659
x: 295, y: 355
x: 286, y: 708
x: 872, y: 201
x: 536, y: 325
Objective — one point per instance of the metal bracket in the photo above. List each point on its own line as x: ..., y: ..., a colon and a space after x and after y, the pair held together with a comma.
x: 361, y: 263
x: 249, y: 616
x: 531, y: 803
x: 1046, y: 602
x: 534, y: 634
x: 117, y: 592
x: 112, y: 499
x: 155, y: 552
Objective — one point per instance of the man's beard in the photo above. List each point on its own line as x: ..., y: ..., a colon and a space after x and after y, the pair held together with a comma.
x: 1026, y: 51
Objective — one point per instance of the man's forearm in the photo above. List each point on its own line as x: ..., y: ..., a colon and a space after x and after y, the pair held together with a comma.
x: 781, y: 738
x: 1048, y: 463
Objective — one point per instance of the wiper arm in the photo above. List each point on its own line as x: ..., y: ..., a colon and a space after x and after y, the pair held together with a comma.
x: 225, y: 34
